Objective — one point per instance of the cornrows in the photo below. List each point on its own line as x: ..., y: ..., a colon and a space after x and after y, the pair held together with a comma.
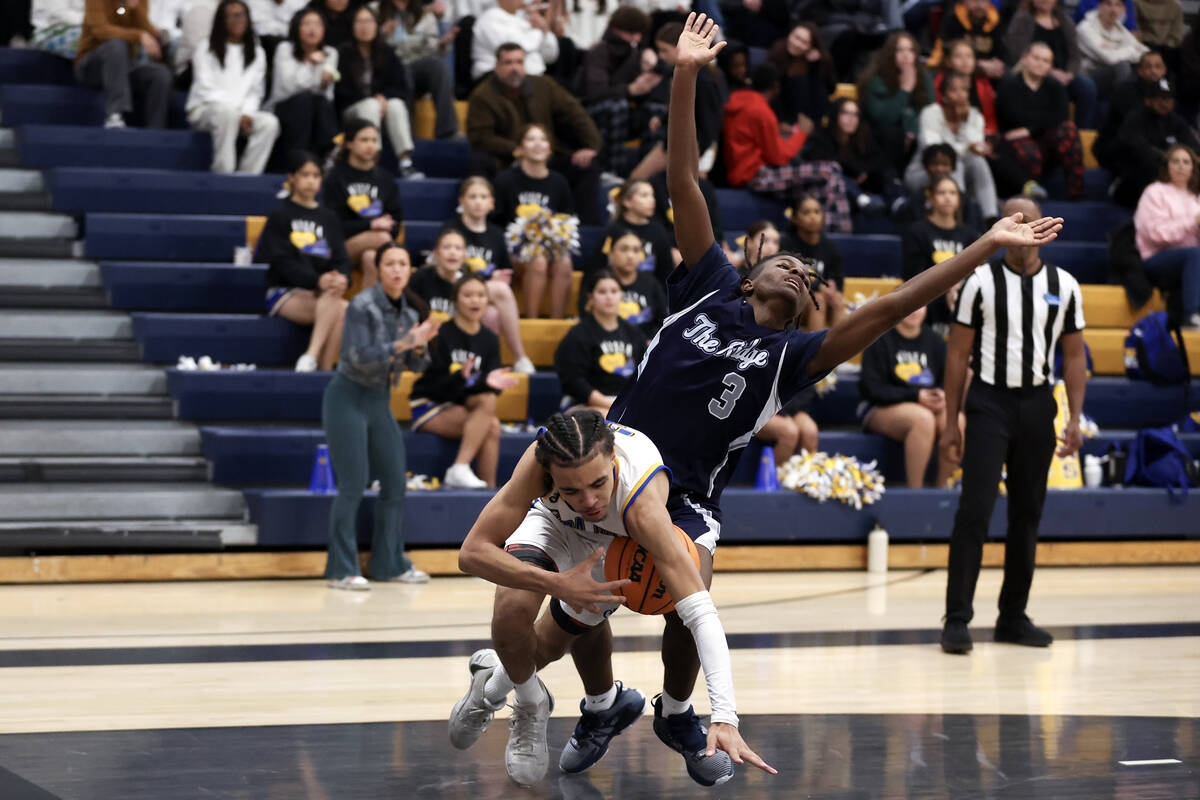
x: 569, y: 439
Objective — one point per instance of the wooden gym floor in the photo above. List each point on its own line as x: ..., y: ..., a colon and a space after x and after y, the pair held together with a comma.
x: 286, y: 689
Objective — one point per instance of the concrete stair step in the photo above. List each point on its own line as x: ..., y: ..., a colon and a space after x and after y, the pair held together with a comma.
x: 40, y: 246
x: 21, y: 180
x: 98, y: 438
x: 26, y: 502
x: 127, y: 534
x: 50, y: 273
x: 54, y: 350
x: 68, y: 378
x: 74, y: 325
x: 37, y: 225
x: 85, y: 406
x: 90, y: 469
x: 25, y: 201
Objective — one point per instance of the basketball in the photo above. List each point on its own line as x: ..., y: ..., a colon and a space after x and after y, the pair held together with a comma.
x: 646, y: 594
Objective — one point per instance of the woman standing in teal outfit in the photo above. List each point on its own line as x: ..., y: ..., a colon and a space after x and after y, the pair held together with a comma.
x: 382, y: 337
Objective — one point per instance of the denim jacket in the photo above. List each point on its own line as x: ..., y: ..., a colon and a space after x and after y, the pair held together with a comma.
x: 372, y: 326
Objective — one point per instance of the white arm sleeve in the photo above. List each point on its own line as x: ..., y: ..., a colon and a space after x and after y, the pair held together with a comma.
x: 700, y: 616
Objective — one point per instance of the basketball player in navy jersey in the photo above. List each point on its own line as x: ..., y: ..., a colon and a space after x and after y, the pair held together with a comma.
x: 728, y: 357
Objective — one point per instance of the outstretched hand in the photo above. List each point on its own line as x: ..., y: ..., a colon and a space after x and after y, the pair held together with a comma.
x: 1012, y: 231
x: 579, y: 590
x: 726, y: 737
x: 696, y: 47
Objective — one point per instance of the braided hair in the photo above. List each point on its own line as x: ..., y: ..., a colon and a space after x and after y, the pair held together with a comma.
x: 570, y: 439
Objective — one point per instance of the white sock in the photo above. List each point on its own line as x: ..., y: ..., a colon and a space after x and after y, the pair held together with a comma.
x: 496, y: 690
x: 671, y: 706
x: 530, y: 693
x: 600, y: 702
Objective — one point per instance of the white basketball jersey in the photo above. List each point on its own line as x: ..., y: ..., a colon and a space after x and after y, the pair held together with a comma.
x: 635, y: 462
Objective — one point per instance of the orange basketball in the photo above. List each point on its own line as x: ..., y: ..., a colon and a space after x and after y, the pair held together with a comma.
x: 646, y: 593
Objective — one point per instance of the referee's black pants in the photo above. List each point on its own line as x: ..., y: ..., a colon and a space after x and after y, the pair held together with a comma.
x: 1012, y: 427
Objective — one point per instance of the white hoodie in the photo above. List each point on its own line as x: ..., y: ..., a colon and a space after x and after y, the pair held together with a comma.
x: 1101, y: 47
x: 235, y: 84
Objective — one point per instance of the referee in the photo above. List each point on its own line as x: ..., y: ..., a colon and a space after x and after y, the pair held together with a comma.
x: 1009, y: 316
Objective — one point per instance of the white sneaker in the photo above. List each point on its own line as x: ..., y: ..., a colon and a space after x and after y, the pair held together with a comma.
x: 354, y: 583
x: 473, y: 713
x: 306, y: 363
x: 526, y: 757
x: 114, y: 121
x: 412, y: 575
x: 1192, y: 323
x: 524, y: 366
x: 460, y: 476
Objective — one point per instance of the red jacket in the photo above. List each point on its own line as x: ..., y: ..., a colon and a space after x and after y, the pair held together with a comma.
x: 751, y: 137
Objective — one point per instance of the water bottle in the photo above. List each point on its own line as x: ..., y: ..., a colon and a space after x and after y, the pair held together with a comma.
x: 877, y: 547
x: 1092, y: 471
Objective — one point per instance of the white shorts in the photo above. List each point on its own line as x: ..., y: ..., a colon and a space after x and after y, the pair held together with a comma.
x: 540, y: 541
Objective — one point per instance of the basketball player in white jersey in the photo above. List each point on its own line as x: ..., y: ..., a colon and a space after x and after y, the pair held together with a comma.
x: 583, y: 483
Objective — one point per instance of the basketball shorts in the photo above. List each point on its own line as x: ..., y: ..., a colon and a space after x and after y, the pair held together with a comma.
x: 275, y: 298
x: 424, y: 410
x: 699, y: 518
x: 542, y: 542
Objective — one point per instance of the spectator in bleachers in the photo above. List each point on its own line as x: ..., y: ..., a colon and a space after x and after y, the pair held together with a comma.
x: 456, y: 395
x: 364, y: 197
x: 808, y: 239
x: 487, y: 256
x: 760, y: 159
x: 502, y: 106
x: 1032, y: 109
x: 1168, y: 229
x: 618, y: 74
x: 120, y: 52
x: 531, y: 182
x: 57, y: 26
x: 960, y: 58
x: 939, y: 161
x: 195, y: 28
x: 1162, y: 27
x: 902, y: 395
x: 892, y: 90
x: 941, y: 235
x: 1045, y: 21
x: 1144, y: 138
x: 374, y: 86
x: 271, y: 20
x: 664, y: 214
x: 1126, y: 97
x: 308, y: 270
x: 511, y: 21
x: 1108, y: 49
x: 733, y: 68
x: 793, y: 429
x: 411, y: 28
x: 807, y: 73
x: 1128, y: 17
x: 853, y: 29
x: 847, y: 140
x: 643, y: 300
x: 167, y: 16
x: 634, y: 206
x: 434, y: 283
x: 228, y: 83
x: 976, y: 22
x: 955, y: 122
x: 383, y: 337
x: 338, y: 16
x: 597, y: 356
x: 305, y: 71
x: 586, y: 21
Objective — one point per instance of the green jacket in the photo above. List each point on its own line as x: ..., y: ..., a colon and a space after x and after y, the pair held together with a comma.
x: 495, y: 116
x: 887, y: 109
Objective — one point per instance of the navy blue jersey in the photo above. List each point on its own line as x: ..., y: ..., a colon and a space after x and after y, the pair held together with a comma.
x: 712, y: 376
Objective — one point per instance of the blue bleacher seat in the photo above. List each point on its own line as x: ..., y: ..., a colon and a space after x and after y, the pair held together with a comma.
x: 1088, y: 221
x: 184, y: 286
x: 870, y: 256
x: 34, y: 104
x: 441, y: 158
x: 230, y: 338
x: 82, y: 146
x: 30, y: 66
x: 741, y: 208
x: 1086, y: 261
x: 163, y: 237
x: 295, y: 517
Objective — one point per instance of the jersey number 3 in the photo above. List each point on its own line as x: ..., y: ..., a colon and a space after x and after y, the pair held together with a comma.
x: 721, y: 407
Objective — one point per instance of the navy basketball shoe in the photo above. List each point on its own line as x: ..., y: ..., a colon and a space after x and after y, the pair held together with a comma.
x: 684, y: 734
x: 596, y: 729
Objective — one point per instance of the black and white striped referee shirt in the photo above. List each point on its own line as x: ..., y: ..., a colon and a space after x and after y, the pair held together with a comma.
x: 1018, y: 320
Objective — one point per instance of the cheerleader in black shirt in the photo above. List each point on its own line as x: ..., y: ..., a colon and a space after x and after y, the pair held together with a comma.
x: 902, y: 396
x: 634, y: 211
x: 364, y: 197
x: 308, y: 269
x: 531, y: 182
x: 456, y: 395
x: 643, y: 300
x: 487, y: 256
x: 597, y: 357
x: 941, y: 235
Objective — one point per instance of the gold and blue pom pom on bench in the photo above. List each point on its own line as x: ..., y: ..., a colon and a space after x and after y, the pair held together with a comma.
x: 538, y: 233
x: 822, y: 477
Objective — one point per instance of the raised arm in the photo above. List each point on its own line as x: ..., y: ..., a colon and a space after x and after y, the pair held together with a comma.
x: 856, y: 331
x: 693, y: 228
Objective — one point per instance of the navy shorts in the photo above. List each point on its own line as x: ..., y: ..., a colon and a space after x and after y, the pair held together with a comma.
x: 698, y: 517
